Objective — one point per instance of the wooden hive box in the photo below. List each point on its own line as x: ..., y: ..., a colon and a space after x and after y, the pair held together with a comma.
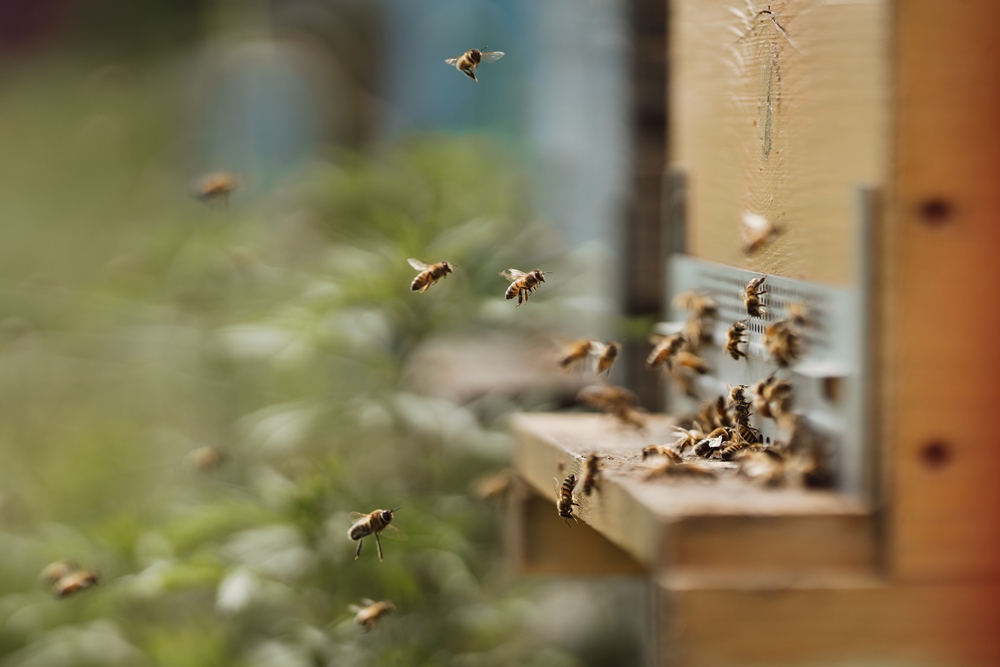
x: 788, y: 110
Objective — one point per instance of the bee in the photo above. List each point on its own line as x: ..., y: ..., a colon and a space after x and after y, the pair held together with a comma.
x: 371, y: 613
x: 798, y: 313
x: 53, y: 572
x: 712, y: 443
x: 492, y: 486
x: 686, y: 438
x: 564, y: 499
x: 616, y: 401
x: 665, y: 451
x: 207, y: 458
x: 468, y: 62
x: 756, y: 231
x: 664, y: 350
x: 751, y: 297
x: 372, y: 523
x: 591, y: 475
x: 606, y: 354
x: 783, y: 342
x: 575, y: 352
x: 429, y: 274
x: 691, y: 360
x: 763, y: 468
x: 523, y: 283
x: 734, y: 338
x: 216, y: 186
x: 74, y: 582
x: 701, y: 306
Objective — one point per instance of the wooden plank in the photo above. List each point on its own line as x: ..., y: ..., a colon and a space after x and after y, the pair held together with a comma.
x: 940, y: 275
x: 779, y: 108
x: 832, y: 622
x: 723, y: 525
x: 540, y: 542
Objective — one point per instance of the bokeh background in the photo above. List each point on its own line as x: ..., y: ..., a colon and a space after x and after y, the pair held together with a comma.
x: 193, y: 396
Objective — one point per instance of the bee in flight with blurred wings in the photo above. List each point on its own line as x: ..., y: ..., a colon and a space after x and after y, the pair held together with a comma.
x: 468, y: 62
x: 429, y: 273
x: 373, y: 523
x: 523, y: 283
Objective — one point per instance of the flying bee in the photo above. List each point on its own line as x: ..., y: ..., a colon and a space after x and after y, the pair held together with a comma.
x: 699, y: 305
x: 783, y: 342
x: 798, y: 313
x: 564, y: 499
x: 751, y: 297
x: 605, y: 396
x: 763, y: 469
x: 665, y: 451
x: 53, y: 572
x: 664, y: 350
x: 373, y: 523
x: 216, y: 186
x: 606, y: 354
x: 735, y: 337
x: 371, y: 613
x: 691, y: 360
x: 575, y: 352
x: 468, y: 62
x: 756, y: 231
x: 429, y: 273
x: 74, y: 582
x: 523, y: 283
x: 591, y: 475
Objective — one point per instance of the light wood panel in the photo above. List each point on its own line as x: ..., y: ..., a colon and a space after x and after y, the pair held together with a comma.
x: 780, y: 108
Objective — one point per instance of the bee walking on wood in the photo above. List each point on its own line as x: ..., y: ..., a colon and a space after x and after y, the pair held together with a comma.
x: 216, y: 186
x: 373, y: 523
x: 564, y: 499
x: 468, y: 62
x: 429, y: 274
x: 591, y: 475
x: 735, y: 337
x: 523, y: 283
x: 751, y: 297
x: 371, y: 613
x: 666, y: 451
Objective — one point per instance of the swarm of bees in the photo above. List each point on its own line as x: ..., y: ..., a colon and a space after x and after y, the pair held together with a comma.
x: 468, y: 62
x: 67, y: 578
x: 373, y: 523
x: 371, y: 613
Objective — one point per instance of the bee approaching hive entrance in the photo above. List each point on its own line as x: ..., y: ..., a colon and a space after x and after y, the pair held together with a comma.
x: 804, y: 340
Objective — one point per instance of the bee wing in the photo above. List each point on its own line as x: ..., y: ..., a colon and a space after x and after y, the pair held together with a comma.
x: 357, y: 516
x: 512, y: 274
x: 418, y: 265
x: 451, y: 61
x: 353, y: 608
x: 492, y: 56
x: 393, y: 532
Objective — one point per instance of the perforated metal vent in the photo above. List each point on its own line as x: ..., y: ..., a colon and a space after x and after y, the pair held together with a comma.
x: 828, y: 374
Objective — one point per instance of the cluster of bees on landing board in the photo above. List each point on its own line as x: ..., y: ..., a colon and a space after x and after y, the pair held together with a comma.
x: 67, y: 578
x: 721, y: 428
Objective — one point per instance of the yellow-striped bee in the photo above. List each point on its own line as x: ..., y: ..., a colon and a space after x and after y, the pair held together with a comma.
x: 591, y: 475
x: 735, y: 337
x: 691, y: 360
x: 216, y: 186
x: 783, y: 341
x: 429, y: 274
x: 574, y: 352
x: 74, y: 582
x: 751, y: 297
x: 523, y: 283
x: 606, y: 354
x: 371, y: 613
x: 665, y: 451
x: 373, y: 523
x: 664, y: 350
x: 564, y: 498
x: 468, y: 62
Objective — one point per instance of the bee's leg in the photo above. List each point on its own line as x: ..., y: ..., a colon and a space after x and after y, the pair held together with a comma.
x: 357, y: 553
x: 379, y: 545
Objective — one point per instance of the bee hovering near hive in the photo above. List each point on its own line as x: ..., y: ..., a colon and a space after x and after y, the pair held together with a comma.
x: 468, y: 62
x: 373, y: 523
x: 606, y: 354
x: 702, y: 314
x: 429, y: 274
x: 371, y: 613
x: 756, y: 231
x: 616, y: 401
x: 523, y: 283
x: 216, y: 186
x: 665, y: 348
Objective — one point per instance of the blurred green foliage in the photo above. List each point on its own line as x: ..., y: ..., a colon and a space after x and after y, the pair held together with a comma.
x: 139, y: 327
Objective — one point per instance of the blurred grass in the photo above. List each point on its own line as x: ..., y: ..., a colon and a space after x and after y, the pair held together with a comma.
x: 138, y: 325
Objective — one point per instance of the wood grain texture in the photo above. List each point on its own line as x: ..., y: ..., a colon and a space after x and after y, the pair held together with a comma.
x: 779, y: 108
x: 940, y: 272
x: 831, y: 623
x: 720, y: 526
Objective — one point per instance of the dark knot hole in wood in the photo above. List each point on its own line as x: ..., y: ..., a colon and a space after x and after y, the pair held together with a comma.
x: 936, y: 455
x: 936, y: 211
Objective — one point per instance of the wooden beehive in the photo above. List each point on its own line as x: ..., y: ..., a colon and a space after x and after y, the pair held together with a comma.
x: 788, y: 110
